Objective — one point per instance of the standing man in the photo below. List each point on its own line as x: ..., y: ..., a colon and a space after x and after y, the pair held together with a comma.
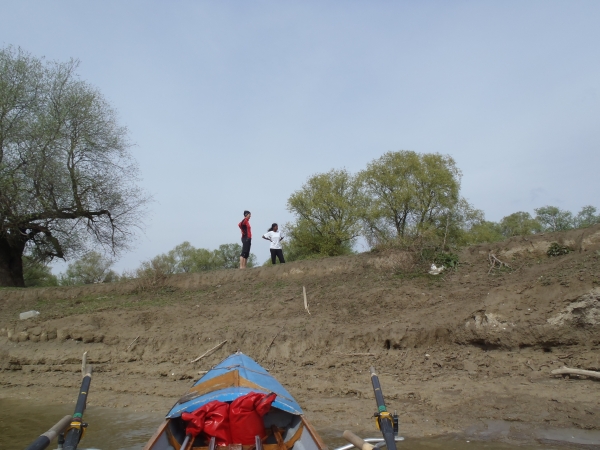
x: 246, y: 239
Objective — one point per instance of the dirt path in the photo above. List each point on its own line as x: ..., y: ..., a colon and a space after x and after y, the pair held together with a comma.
x: 466, y: 351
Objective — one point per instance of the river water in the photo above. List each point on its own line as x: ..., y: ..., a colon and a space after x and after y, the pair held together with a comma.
x: 122, y: 429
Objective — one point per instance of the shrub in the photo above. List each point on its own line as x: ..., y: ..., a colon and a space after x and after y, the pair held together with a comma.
x: 154, y: 273
x: 449, y: 260
x: 556, y: 249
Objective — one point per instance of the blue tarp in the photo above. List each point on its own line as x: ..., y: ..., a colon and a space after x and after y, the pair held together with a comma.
x: 251, y: 371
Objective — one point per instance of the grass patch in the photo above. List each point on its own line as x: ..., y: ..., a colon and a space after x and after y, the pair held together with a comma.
x: 279, y: 284
x: 86, y: 304
x: 411, y: 275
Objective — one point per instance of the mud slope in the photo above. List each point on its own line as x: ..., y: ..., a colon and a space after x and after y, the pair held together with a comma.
x: 455, y: 352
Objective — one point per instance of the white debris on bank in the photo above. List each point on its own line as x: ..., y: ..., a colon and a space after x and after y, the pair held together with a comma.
x: 28, y: 314
x: 434, y: 270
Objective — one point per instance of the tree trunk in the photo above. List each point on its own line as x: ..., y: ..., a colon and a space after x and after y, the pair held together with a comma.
x: 11, y: 263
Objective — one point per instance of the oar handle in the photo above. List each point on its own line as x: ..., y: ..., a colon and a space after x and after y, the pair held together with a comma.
x: 44, y: 440
x: 356, y: 441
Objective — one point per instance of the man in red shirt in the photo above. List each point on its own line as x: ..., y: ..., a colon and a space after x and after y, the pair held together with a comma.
x: 246, y: 238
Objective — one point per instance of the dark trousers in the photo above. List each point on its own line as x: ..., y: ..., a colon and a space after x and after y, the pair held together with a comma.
x: 277, y: 252
x: 246, y: 242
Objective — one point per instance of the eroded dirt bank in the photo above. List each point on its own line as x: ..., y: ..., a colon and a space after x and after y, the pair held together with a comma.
x: 457, y: 352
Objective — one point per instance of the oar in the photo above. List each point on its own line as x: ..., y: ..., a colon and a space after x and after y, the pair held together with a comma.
x: 356, y: 441
x: 384, y: 418
x: 44, y: 440
x: 75, y: 432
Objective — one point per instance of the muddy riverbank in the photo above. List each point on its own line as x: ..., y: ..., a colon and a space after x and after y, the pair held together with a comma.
x: 465, y: 352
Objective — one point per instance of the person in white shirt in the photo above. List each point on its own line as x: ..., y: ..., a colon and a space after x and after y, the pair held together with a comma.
x: 275, y: 237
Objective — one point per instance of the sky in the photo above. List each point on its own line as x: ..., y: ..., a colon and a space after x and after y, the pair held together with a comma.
x: 233, y: 105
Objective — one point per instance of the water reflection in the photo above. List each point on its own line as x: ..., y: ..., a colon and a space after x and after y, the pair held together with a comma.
x: 21, y: 421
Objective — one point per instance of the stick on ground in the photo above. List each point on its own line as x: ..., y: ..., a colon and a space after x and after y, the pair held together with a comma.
x: 132, y: 342
x: 567, y: 371
x: 273, y: 340
x: 305, y: 301
x: 494, y: 260
x: 83, y: 363
x: 209, y: 352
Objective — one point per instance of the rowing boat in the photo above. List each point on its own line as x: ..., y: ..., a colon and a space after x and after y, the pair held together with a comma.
x: 239, y: 405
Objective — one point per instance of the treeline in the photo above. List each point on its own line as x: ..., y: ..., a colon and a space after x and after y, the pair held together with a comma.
x: 94, y: 267
x: 546, y: 219
x: 400, y: 199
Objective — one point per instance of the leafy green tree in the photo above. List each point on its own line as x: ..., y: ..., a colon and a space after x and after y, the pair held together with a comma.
x: 328, y: 210
x: 552, y: 218
x: 587, y: 217
x: 302, y: 242
x: 409, y: 192
x: 456, y: 224
x: 91, y: 268
x: 519, y: 224
x: 484, y: 231
x: 157, y: 268
x: 209, y: 260
x: 188, y: 259
x: 227, y: 256
x: 185, y: 258
x: 67, y: 179
x: 37, y: 274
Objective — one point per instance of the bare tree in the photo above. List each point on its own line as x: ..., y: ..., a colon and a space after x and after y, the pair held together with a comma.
x: 67, y: 179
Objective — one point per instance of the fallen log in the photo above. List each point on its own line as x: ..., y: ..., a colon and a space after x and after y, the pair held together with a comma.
x: 567, y: 371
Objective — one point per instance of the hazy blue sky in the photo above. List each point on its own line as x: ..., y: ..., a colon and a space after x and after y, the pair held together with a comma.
x: 233, y: 105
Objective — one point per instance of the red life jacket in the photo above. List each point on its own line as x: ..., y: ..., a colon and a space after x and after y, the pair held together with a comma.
x: 211, y: 419
x: 246, y: 417
x: 235, y: 423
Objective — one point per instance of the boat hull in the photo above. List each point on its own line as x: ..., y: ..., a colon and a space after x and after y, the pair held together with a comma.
x: 285, y: 426
x: 308, y: 440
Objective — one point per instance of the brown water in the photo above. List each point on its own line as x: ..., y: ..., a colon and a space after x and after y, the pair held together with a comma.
x: 21, y: 422
x: 111, y: 429
x: 333, y: 439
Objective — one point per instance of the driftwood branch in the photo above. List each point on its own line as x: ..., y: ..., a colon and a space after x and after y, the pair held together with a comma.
x: 209, y: 352
x: 132, y: 342
x: 272, y: 340
x: 355, y: 354
x: 568, y: 371
x: 305, y: 300
x: 495, y: 261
